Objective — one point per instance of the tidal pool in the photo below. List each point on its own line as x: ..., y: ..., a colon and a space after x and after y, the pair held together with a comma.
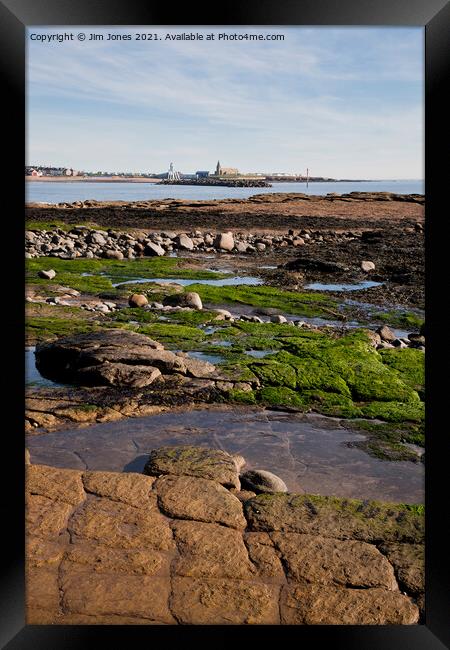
x: 309, y: 452
x: 224, y: 282
x: 32, y: 375
x: 319, y: 286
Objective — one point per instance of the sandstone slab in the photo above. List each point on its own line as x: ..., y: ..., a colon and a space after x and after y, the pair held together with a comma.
x: 186, y: 497
x: 56, y: 484
x: 198, y: 601
x: 210, y: 551
x: 115, y: 594
x: 133, y: 489
x: 320, y: 605
x: 120, y: 525
x: 330, y: 561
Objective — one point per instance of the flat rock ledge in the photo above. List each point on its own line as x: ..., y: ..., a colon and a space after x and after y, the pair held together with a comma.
x: 109, y: 548
x: 114, y: 358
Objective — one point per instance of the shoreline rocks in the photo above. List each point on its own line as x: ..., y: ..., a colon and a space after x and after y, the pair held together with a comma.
x: 127, y: 548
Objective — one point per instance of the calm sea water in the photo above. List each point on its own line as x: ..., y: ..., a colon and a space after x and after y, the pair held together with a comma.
x: 59, y: 192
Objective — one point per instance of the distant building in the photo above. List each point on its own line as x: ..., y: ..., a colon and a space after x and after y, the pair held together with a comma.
x: 225, y: 171
x: 202, y: 174
x: 34, y: 172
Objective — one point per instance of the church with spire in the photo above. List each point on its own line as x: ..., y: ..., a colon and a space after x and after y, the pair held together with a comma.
x: 225, y: 171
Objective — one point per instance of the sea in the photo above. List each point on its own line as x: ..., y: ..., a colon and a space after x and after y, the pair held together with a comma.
x: 62, y: 192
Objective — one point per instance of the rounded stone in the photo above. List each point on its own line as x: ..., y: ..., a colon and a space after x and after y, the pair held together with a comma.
x: 260, y: 480
x: 186, y: 299
x: 367, y: 266
x: 47, y: 275
x: 137, y: 300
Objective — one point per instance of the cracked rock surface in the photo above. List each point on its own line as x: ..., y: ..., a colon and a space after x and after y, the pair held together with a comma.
x: 174, y: 548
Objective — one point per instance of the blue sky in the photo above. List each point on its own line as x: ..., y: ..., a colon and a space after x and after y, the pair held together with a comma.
x: 345, y: 102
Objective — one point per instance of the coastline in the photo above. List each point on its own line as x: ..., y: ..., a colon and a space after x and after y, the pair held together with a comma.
x: 90, y: 179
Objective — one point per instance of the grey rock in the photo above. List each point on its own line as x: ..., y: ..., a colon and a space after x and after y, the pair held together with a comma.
x: 154, y: 250
x: 225, y: 241
x: 386, y: 334
x: 260, y: 480
x: 186, y: 299
x: 184, y: 242
x: 47, y: 275
x: 113, y: 255
x: 367, y: 266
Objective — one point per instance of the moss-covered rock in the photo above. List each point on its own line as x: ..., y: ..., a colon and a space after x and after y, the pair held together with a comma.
x: 369, y: 521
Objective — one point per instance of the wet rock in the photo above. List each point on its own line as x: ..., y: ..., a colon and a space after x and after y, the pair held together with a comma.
x: 320, y: 605
x: 225, y: 241
x: 137, y: 300
x: 259, y: 480
x: 186, y: 497
x: 386, y: 334
x: 278, y: 318
x: 314, y: 265
x: 47, y: 275
x: 186, y: 299
x: 201, y: 462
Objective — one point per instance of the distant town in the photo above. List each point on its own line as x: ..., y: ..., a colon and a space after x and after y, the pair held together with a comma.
x: 171, y: 175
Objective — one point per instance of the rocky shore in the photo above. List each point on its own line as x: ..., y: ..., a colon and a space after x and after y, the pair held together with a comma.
x: 169, y: 316
x: 220, y: 182
x: 184, y: 543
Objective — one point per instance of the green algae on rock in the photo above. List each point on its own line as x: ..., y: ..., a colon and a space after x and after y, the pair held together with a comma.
x: 369, y: 521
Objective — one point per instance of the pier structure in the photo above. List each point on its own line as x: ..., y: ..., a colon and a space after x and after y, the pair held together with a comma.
x: 173, y: 175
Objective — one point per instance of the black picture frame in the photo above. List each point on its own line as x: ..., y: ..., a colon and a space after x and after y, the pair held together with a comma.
x: 434, y: 16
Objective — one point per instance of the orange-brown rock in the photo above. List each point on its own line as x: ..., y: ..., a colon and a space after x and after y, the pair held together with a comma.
x: 205, y: 601
x: 328, y: 561
x: 325, y: 605
x: 106, y: 548
x: 186, y: 497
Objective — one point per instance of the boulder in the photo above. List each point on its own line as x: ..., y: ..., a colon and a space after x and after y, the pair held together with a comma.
x: 47, y: 275
x: 241, y: 247
x: 112, y: 357
x: 113, y: 255
x: 184, y: 242
x: 259, y: 480
x: 225, y: 241
x: 212, y: 464
x: 386, y: 334
x: 278, y: 318
x: 154, y: 250
x: 137, y: 300
x: 186, y: 299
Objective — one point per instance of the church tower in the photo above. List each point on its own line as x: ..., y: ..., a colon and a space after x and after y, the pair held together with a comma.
x: 218, y: 168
